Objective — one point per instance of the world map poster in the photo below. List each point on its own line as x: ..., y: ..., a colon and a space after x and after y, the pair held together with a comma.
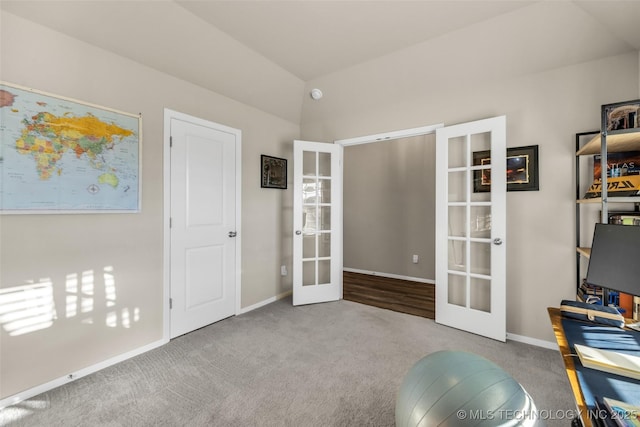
x: 59, y: 155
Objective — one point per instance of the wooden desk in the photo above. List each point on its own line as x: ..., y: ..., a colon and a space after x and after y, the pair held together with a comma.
x: 589, y: 385
x: 565, y: 351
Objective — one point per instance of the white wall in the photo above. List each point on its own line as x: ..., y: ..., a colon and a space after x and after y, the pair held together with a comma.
x: 37, y: 248
x: 412, y: 88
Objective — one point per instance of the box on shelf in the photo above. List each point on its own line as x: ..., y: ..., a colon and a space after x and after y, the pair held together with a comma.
x: 618, y: 164
x: 624, y: 218
x: 594, y: 295
x: 590, y: 294
x: 620, y: 186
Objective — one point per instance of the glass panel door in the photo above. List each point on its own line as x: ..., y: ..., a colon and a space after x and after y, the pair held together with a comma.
x: 470, y: 227
x: 317, y: 222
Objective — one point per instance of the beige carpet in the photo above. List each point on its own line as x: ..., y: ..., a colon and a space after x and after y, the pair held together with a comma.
x: 333, y: 364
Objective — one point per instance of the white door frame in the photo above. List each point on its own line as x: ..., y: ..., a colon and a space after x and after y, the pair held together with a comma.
x: 397, y: 134
x: 166, y: 172
x: 383, y: 137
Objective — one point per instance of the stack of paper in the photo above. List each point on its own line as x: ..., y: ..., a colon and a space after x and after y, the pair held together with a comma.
x: 609, y: 361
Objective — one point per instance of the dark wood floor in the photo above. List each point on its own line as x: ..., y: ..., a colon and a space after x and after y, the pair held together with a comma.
x: 394, y: 294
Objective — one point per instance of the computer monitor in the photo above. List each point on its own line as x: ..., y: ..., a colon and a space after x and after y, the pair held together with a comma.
x: 615, y: 258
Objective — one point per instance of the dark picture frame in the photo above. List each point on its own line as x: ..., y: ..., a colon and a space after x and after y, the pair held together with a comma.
x: 522, y: 169
x: 273, y: 172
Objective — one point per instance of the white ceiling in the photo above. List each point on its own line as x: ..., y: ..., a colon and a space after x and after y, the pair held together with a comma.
x: 214, y: 43
x: 313, y: 38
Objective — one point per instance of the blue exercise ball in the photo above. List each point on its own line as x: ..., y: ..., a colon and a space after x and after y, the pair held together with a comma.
x: 456, y: 388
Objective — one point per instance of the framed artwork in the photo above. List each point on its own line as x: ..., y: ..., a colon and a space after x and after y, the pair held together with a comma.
x: 273, y: 172
x: 522, y: 169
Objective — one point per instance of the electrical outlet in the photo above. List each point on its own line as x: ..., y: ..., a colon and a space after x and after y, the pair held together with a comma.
x: 283, y: 270
x: 415, y: 259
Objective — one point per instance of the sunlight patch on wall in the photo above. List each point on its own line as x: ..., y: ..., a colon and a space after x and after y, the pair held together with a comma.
x: 109, y: 286
x: 31, y: 307
x: 27, y: 308
x: 71, y: 286
x: 79, y: 294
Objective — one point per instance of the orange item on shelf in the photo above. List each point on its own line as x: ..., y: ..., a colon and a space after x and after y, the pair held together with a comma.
x: 626, y: 302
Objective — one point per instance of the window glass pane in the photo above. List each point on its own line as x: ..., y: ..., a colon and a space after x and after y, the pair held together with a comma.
x: 480, y: 142
x: 480, y: 294
x: 308, y: 190
x: 457, y: 186
x: 324, y: 245
x: 457, y: 255
x: 324, y: 166
x: 325, y: 217
x: 457, y: 152
x: 308, y: 219
x: 324, y: 190
x: 481, y: 156
x: 324, y: 272
x: 308, y: 273
x: 309, y: 246
x: 480, y: 222
x: 457, y: 221
x: 480, y: 258
x: 457, y: 292
x: 309, y: 163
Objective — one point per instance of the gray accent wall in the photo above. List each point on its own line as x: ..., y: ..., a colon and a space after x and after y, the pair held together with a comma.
x: 389, y: 206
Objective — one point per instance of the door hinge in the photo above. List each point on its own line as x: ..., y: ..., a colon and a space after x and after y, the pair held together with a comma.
x: 170, y: 141
x: 170, y: 222
x: 170, y: 303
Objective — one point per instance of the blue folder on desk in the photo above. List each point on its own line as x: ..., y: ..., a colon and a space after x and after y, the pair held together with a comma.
x: 595, y: 383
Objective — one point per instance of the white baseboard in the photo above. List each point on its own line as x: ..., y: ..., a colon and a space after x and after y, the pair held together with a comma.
x: 265, y: 302
x: 533, y: 341
x: 42, y: 388
x: 390, y: 275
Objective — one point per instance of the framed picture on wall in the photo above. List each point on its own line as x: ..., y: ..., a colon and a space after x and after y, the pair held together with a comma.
x: 522, y: 169
x: 273, y: 172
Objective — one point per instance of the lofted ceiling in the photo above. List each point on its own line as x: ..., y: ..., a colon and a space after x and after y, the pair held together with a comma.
x: 262, y: 53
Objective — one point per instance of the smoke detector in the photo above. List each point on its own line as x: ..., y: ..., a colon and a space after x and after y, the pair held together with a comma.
x: 316, y: 94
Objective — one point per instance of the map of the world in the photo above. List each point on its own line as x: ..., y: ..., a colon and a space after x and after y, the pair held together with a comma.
x: 61, y: 155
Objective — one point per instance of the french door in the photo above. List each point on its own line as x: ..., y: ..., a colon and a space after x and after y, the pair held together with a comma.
x: 471, y: 176
x: 317, y: 222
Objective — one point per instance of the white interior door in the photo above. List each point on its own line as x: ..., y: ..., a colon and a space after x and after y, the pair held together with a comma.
x: 317, y: 222
x: 471, y: 227
x: 203, y: 222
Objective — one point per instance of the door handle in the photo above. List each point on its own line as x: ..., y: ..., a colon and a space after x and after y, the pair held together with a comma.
x: 497, y: 241
x: 233, y: 233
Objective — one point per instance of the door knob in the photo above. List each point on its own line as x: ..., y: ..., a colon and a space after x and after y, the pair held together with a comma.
x: 298, y: 232
x: 233, y: 233
x: 497, y: 241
